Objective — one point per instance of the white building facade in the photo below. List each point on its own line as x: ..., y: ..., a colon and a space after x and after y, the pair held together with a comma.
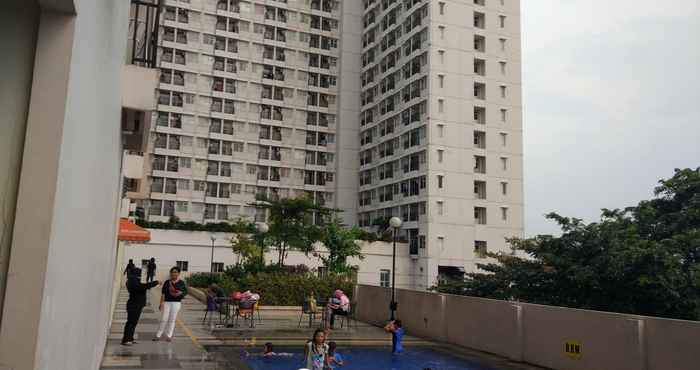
x: 380, y: 108
x: 441, y: 128
x: 193, y: 251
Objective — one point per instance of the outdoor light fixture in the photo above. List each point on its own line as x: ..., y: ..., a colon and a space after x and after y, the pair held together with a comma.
x: 262, y: 229
x: 211, y: 264
x: 395, y: 224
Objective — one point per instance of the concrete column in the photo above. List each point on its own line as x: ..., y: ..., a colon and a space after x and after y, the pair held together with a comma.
x: 18, y: 26
x: 37, y: 188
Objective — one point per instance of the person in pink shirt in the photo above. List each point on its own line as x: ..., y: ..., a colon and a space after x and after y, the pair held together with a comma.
x: 339, y: 304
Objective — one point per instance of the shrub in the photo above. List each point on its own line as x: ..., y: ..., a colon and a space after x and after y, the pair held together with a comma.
x: 277, y: 288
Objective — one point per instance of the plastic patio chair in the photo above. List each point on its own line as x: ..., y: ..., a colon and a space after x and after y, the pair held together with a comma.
x: 212, y: 307
x: 349, y: 317
x: 307, y: 310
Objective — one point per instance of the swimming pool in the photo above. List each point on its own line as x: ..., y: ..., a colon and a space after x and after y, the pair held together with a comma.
x: 363, y: 358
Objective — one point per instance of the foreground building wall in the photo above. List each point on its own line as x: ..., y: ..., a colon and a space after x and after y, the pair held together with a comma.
x: 62, y: 255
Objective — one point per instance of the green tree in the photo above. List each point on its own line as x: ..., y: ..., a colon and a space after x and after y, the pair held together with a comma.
x: 641, y: 260
x: 341, y: 243
x: 246, y: 247
x: 291, y: 222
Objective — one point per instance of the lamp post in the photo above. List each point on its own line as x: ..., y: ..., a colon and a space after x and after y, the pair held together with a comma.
x: 211, y: 264
x: 395, y: 223
x: 262, y: 229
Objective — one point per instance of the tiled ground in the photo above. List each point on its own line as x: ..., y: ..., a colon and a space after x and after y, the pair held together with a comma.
x: 182, y: 353
x: 202, y: 346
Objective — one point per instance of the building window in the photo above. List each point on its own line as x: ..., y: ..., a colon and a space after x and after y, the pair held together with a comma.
x: 480, y: 189
x: 480, y: 43
x: 479, y: 164
x: 322, y: 272
x: 385, y: 278
x: 480, y: 139
x: 440, y: 181
x: 503, y: 115
x: 441, y: 53
x: 441, y: 106
x: 504, y: 188
x: 502, y: 19
x: 504, y: 213
x: 441, y: 130
x: 217, y: 267
x: 440, y: 154
x: 442, y: 8
x: 479, y: 90
x: 442, y: 32
x: 503, y: 44
x: 440, y: 208
x: 504, y: 138
x: 503, y: 91
x: 480, y: 249
x: 480, y: 115
x: 479, y: 20
x: 504, y: 162
x: 480, y: 215
x: 182, y: 265
x: 480, y: 67
x: 503, y: 67
x: 441, y: 81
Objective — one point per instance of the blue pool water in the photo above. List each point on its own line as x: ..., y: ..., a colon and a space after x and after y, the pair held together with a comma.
x: 372, y: 359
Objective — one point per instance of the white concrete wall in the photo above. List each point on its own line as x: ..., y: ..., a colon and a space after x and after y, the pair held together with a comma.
x: 63, y: 249
x: 91, y: 145
x: 170, y: 246
x: 347, y: 164
x: 17, y: 33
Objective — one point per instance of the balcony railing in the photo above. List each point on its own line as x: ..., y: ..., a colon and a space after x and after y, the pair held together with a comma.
x: 143, y: 32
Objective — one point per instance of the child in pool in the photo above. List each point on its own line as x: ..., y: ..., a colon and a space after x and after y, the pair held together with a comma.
x: 269, y: 351
x: 397, y: 332
x: 334, y: 359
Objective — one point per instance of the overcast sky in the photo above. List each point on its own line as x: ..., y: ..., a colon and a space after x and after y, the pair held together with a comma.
x: 612, y: 102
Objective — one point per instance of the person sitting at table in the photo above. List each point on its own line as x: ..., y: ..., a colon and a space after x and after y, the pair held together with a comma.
x: 339, y: 304
x: 249, y: 299
x: 217, y: 291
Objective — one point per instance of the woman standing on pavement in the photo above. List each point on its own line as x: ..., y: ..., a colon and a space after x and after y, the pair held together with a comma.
x: 174, y: 290
x: 134, y: 306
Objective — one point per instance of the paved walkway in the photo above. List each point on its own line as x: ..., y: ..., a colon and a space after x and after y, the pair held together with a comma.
x: 182, y: 353
x: 200, y: 346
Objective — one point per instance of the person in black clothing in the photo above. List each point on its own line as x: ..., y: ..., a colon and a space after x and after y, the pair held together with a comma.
x: 151, y: 270
x: 129, y: 267
x: 134, y: 306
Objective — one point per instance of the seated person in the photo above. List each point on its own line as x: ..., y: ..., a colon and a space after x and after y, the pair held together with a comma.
x: 249, y: 299
x: 339, y: 304
x: 217, y: 291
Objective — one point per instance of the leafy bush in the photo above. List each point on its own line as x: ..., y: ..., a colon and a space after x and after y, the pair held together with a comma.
x: 221, y: 227
x: 276, y: 288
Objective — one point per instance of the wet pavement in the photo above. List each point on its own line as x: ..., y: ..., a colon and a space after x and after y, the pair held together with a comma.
x: 213, y: 346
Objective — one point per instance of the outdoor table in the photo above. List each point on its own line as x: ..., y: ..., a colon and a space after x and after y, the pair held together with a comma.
x: 225, y: 305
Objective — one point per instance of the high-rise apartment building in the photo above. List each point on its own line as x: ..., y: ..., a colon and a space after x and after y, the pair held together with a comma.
x: 381, y: 108
x: 441, y: 132
x: 248, y: 104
